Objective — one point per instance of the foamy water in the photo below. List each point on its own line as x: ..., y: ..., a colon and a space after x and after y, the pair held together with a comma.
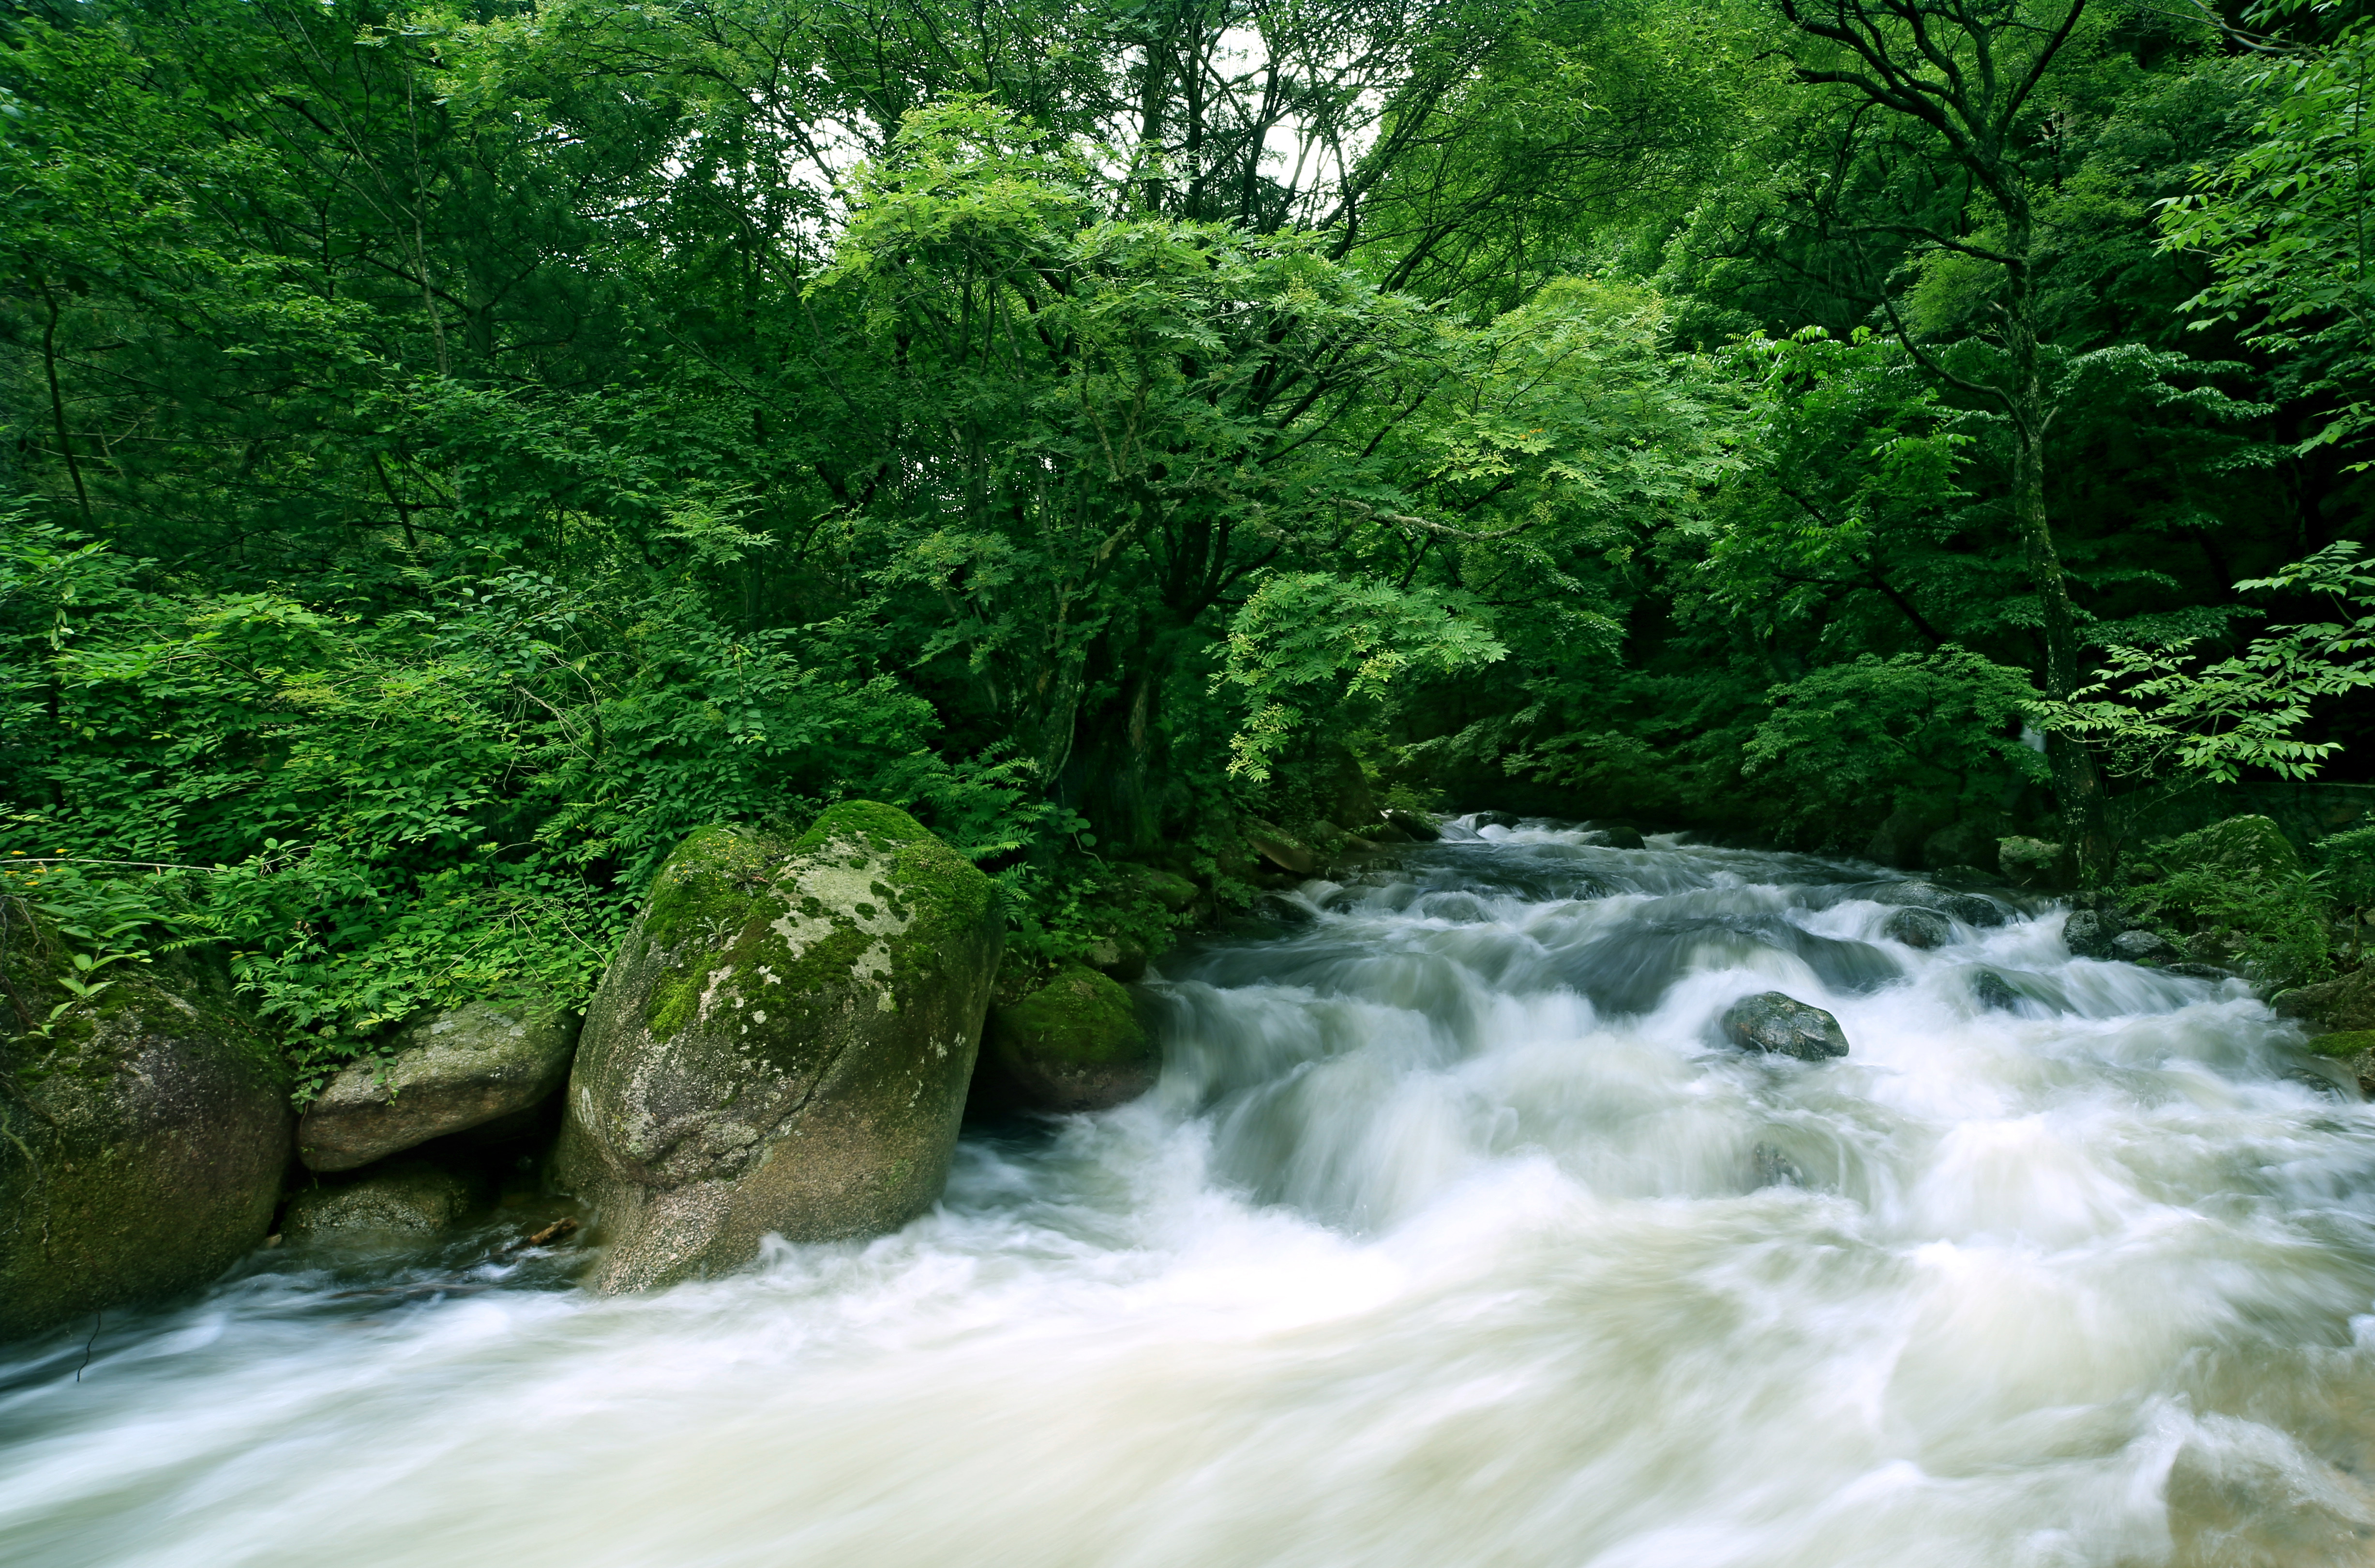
x: 1451, y: 1236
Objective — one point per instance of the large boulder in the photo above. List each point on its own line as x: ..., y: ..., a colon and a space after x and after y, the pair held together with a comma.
x: 2346, y: 1003
x: 1781, y: 1025
x: 141, y: 1141
x: 2239, y: 843
x: 1417, y: 824
x: 445, y: 1072
x: 782, y: 1045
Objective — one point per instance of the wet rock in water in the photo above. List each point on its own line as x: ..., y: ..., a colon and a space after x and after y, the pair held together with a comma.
x: 1283, y: 909
x: 445, y: 1072
x: 1494, y: 818
x: 1775, y: 1169
x: 1417, y: 824
x: 1992, y: 991
x: 2354, y: 1049
x: 2201, y: 971
x: 1782, y: 1025
x: 1918, y: 928
x: 2089, y: 933
x: 2145, y: 948
x: 782, y: 1045
x: 146, y: 1136
x: 2317, y: 1082
x: 1073, y: 1044
x: 1618, y: 835
x: 407, y: 1198
x: 2347, y: 1003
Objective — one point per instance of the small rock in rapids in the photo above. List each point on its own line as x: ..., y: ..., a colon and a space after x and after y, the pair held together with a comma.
x: 1992, y: 992
x: 1496, y: 818
x: 1782, y: 1025
x: 2145, y: 947
x: 1618, y: 835
x: 1919, y: 929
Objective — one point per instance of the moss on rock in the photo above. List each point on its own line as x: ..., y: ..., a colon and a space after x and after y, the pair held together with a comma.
x: 782, y: 1043
x: 145, y: 1138
x: 2347, y: 1044
x: 1073, y: 1044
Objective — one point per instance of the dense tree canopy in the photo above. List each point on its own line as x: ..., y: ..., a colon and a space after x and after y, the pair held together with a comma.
x: 454, y: 451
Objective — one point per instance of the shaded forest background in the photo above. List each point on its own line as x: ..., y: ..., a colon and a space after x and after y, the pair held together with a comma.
x: 453, y: 452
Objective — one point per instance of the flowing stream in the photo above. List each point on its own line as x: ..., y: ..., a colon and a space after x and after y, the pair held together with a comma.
x: 1453, y: 1236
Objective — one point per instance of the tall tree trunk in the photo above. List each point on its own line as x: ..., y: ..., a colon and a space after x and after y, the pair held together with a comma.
x: 2077, y: 782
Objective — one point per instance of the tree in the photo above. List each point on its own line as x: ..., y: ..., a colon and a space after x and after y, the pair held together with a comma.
x: 1964, y: 76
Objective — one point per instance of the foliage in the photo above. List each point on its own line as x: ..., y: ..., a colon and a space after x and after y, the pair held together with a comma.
x: 2246, y: 905
x: 1941, y: 727
x: 2157, y: 708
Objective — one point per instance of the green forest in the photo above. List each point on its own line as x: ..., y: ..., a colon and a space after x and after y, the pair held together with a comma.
x: 455, y: 452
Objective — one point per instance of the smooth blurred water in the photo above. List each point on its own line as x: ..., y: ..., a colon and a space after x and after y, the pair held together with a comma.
x: 1451, y: 1236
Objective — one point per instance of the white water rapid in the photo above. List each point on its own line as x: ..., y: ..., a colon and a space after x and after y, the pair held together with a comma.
x: 1452, y: 1236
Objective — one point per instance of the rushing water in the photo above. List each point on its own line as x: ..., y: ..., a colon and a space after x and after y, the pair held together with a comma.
x: 1451, y: 1236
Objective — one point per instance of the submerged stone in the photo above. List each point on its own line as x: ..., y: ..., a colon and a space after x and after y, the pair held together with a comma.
x: 1992, y: 991
x: 782, y: 1045
x: 445, y: 1073
x: 1073, y: 1044
x: 1918, y: 928
x: 1775, y: 1023
x: 145, y: 1136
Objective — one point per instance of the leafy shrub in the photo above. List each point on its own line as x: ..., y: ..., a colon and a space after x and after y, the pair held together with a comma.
x: 2237, y: 888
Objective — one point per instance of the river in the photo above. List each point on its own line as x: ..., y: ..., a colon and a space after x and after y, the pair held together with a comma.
x: 1451, y: 1236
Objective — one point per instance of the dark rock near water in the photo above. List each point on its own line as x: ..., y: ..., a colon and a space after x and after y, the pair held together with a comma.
x: 146, y: 1137
x: 445, y: 1072
x: 1169, y: 888
x: 1971, y: 909
x: 1280, y: 850
x: 1417, y: 824
x: 2347, y: 1003
x: 2147, y: 947
x: 1782, y: 1025
x: 2201, y: 971
x: 405, y: 1197
x: 1618, y: 835
x: 1494, y: 818
x: 2089, y: 933
x: 782, y: 1045
x: 1918, y: 927
x: 1073, y: 1044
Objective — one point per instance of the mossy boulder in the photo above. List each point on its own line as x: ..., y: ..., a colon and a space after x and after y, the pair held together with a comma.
x: 1779, y: 1024
x: 446, y: 1072
x: 782, y: 1045
x: 2241, y: 843
x: 145, y: 1135
x: 1075, y: 1043
x: 2344, y: 1004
